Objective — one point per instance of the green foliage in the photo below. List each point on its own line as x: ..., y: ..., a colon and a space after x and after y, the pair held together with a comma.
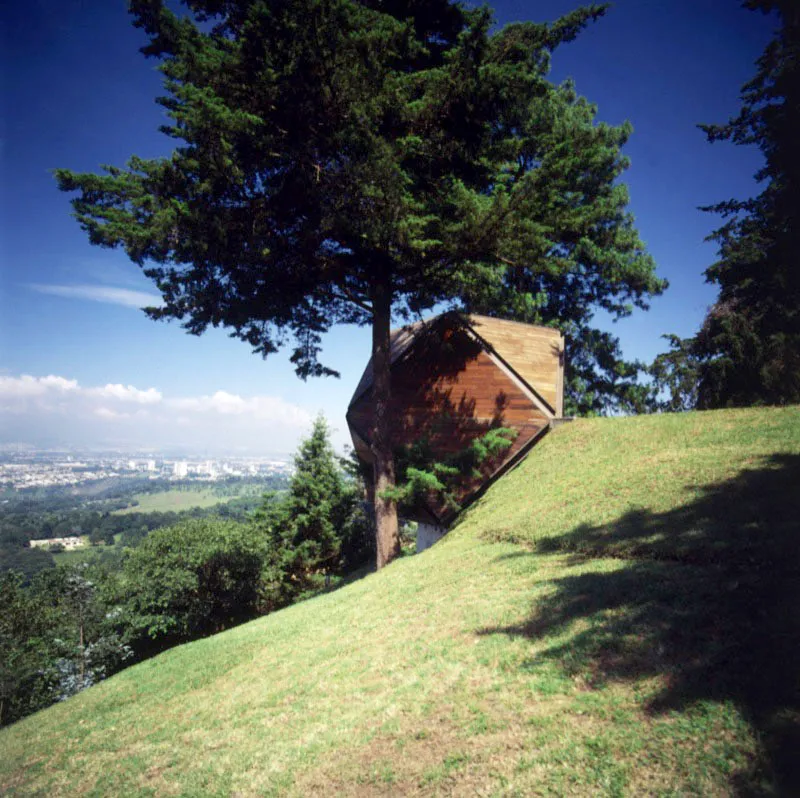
x: 421, y: 475
x: 56, y: 639
x: 24, y: 560
x: 24, y: 650
x: 317, y: 530
x: 109, y: 519
x: 190, y: 580
x: 675, y: 375
x: 485, y: 447
x: 85, y: 645
x: 65, y: 627
x: 747, y: 351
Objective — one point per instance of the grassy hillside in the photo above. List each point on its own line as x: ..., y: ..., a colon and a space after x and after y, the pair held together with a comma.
x: 617, y: 616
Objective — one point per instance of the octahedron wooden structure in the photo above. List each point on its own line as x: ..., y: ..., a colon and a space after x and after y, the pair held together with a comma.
x: 454, y: 377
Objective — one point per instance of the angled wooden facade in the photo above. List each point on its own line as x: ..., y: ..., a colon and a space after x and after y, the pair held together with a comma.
x: 455, y: 377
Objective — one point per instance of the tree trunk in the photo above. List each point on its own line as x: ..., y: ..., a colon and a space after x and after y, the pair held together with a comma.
x: 387, y: 537
x: 83, y: 652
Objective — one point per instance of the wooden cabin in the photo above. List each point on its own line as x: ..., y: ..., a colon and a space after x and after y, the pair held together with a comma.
x: 454, y: 377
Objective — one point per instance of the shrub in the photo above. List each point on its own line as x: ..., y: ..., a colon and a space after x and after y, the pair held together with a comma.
x: 191, y: 579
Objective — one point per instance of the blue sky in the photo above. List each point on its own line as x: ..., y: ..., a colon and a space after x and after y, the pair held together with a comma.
x: 78, y: 94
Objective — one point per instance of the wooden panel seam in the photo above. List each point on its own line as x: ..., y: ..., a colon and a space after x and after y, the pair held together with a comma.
x: 529, y: 391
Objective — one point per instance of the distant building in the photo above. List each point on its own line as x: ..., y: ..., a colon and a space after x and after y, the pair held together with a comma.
x: 181, y: 469
x: 151, y: 465
x: 72, y: 542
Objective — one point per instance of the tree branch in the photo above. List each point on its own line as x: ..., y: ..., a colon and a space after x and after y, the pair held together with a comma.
x: 348, y: 296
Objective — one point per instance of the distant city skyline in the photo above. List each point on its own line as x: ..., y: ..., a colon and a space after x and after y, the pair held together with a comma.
x: 22, y: 449
x: 80, y: 364
x: 52, y: 470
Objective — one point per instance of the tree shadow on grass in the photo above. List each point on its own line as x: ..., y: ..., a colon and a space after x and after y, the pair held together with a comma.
x: 707, y: 596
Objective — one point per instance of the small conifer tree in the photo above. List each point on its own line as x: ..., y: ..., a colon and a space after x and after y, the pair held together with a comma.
x: 309, y: 530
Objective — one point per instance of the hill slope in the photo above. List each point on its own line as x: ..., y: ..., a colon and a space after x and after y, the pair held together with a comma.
x: 616, y: 616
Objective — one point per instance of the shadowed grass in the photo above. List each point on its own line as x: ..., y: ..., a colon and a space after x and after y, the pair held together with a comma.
x: 615, y: 652
x: 707, y: 592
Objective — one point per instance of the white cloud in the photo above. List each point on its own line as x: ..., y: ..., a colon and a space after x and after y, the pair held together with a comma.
x: 127, y: 393
x: 90, y: 414
x: 254, y: 407
x: 26, y: 385
x: 101, y: 293
x: 106, y: 412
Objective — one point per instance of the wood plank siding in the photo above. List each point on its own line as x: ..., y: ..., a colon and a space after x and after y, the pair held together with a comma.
x: 535, y: 353
x: 450, y: 410
x: 449, y: 387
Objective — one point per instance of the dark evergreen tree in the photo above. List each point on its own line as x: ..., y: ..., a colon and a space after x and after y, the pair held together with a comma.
x: 312, y: 533
x: 24, y: 559
x: 747, y: 351
x: 421, y: 475
x: 345, y: 160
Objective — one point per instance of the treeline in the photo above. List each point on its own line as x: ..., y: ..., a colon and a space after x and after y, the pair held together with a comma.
x: 65, y: 628
x: 62, y: 514
x: 103, y: 530
x: 59, y: 517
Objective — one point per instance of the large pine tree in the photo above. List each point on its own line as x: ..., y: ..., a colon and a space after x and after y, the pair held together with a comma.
x: 346, y: 161
x: 747, y: 351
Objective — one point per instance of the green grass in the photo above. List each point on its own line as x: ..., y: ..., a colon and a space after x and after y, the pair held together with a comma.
x: 174, y: 500
x: 617, y: 616
x: 75, y: 556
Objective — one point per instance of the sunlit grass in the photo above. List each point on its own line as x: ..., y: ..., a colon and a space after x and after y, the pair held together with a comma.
x: 503, y: 661
x: 174, y: 501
